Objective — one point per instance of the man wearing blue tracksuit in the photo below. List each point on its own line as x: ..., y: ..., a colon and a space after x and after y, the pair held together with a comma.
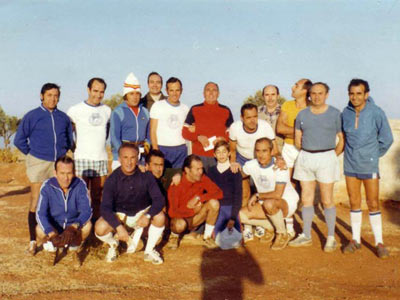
x: 368, y: 137
x: 130, y: 120
x: 44, y: 134
x: 63, y: 202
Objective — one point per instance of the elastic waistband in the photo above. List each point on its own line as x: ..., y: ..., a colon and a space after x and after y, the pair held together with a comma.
x: 318, y: 151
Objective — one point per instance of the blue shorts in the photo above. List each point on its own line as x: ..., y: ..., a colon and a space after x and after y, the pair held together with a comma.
x: 241, y: 159
x: 363, y: 176
x: 174, y: 155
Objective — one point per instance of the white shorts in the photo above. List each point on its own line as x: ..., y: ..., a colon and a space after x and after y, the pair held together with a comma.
x: 289, y: 153
x: 130, y: 221
x: 322, y: 167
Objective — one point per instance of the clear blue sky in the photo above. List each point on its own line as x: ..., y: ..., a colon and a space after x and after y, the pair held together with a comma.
x: 242, y: 45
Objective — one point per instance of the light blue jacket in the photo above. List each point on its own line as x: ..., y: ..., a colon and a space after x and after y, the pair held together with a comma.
x: 125, y: 126
x: 365, y: 144
x: 55, y: 208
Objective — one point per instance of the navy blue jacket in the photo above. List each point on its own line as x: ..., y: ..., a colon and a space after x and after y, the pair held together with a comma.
x: 365, y: 144
x: 130, y: 194
x: 45, y: 135
x: 64, y: 210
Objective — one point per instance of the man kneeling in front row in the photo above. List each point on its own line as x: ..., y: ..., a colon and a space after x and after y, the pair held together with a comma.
x: 64, y: 210
x: 192, y: 202
x: 276, y: 197
x: 131, y: 200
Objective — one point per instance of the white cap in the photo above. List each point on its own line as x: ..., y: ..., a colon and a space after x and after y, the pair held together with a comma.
x: 131, y: 84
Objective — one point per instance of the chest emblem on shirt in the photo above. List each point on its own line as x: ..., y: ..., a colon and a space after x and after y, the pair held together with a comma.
x: 95, y: 119
x: 173, y: 121
x: 263, y: 181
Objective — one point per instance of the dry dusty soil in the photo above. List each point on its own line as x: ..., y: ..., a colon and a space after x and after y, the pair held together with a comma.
x: 191, y: 272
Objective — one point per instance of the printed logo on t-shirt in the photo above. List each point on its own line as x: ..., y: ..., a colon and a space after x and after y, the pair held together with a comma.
x: 263, y: 181
x: 173, y: 121
x: 95, y: 119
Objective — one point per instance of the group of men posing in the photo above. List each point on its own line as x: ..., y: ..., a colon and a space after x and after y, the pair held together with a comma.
x: 241, y: 172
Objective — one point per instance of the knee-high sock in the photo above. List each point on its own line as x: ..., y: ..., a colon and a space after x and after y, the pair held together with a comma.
x: 330, y: 219
x: 108, y: 239
x: 279, y: 223
x: 375, y: 218
x: 208, y: 230
x: 289, y: 224
x: 355, y: 220
x: 136, y: 235
x: 154, y: 234
x: 32, y: 225
x: 264, y: 223
x: 307, y: 214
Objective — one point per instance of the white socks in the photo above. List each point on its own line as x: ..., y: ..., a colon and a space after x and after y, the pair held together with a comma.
x: 355, y: 220
x: 108, y: 239
x: 208, y: 231
x: 375, y: 218
x: 277, y: 220
x: 154, y: 234
x: 289, y: 224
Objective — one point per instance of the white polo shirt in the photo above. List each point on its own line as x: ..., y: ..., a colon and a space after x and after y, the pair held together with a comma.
x: 170, y: 122
x: 246, y: 140
x: 91, y: 130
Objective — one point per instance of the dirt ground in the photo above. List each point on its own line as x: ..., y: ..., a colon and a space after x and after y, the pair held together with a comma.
x: 192, y: 272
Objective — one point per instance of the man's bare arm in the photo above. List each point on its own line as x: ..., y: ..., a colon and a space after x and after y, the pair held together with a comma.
x: 282, y: 127
x: 297, y: 138
x: 153, y: 133
x: 340, y: 145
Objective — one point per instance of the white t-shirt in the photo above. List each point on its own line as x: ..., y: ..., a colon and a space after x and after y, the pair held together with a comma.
x: 170, y: 122
x: 245, y: 141
x: 91, y: 130
x: 265, y: 178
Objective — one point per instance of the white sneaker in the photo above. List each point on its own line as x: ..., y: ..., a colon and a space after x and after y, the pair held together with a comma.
x: 154, y: 257
x: 112, y: 253
x: 32, y: 248
x: 131, y: 246
x: 247, y: 236
x: 330, y: 244
x: 259, y: 231
x: 49, y: 247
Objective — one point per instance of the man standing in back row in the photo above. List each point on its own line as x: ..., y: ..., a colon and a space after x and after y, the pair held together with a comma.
x: 91, y: 121
x: 211, y: 121
x: 368, y: 137
x: 317, y: 128
x: 154, y: 81
x: 287, y: 117
x: 43, y: 135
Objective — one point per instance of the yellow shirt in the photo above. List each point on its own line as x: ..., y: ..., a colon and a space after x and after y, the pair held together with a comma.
x: 291, y: 110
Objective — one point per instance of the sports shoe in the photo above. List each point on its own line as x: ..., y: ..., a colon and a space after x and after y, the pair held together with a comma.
x: 281, y: 241
x: 351, y: 247
x: 291, y: 235
x: 259, y: 232
x: 49, y: 247
x: 330, y: 245
x: 267, y: 237
x: 247, y: 236
x: 381, y: 251
x: 112, y: 253
x: 154, y: 257
x: 209, y: 243
x: 32, y: 248
x: 301, y: 241
x: 131, y: 246
x: 173, y: 242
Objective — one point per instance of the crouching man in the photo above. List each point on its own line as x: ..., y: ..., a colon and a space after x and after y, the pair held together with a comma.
x: 276, y: 197
x: 64, y: 210
x: 192, y: 202
x: 131, y: 200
